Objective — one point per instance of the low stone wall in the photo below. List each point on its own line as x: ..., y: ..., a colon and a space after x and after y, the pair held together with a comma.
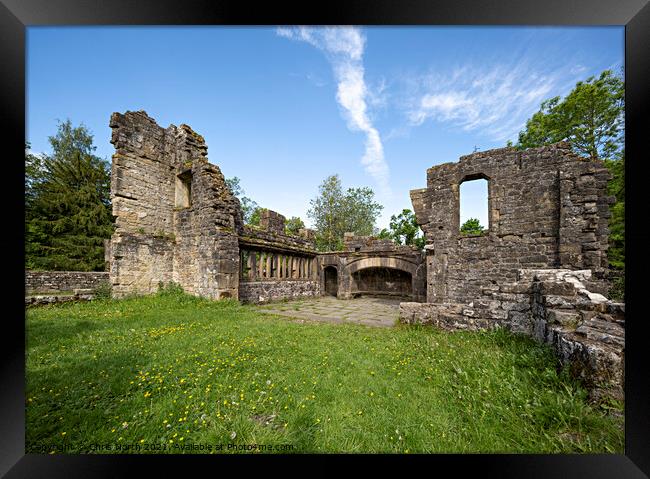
x: 42, y: 300
x: 554, y: 306
x: 587, y: 332
x: 264, y: 291
x: 62, y: 281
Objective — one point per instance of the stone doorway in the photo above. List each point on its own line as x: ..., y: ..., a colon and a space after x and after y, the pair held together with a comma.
x: 331, y: 281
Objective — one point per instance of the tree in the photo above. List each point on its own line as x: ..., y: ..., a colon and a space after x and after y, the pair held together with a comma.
x: 293, y: 225
x: 248, y: 206
x: 471, y: 227
x: 404, y: 229
x: 335, y: 213
x: 33, y: 174
x: 256, y: 216
x: 360, y: 212
x: 590, y: 117
x: 67, y: 204
x: 616, y: 188
x: 327, y: 212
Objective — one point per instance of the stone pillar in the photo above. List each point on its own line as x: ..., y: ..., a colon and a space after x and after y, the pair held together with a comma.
x: 314, y: 269
x: 260, y: 267
x: 294, y: 267
x: 269, y: 264
x: 252, y: 265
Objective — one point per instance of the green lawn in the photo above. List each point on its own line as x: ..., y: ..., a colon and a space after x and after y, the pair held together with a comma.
x: 171, y: 372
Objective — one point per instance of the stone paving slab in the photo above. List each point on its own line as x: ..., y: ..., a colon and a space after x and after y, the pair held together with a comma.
x: 378, y: 312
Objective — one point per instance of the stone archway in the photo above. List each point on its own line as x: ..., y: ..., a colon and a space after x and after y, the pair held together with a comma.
x: 384, y: 276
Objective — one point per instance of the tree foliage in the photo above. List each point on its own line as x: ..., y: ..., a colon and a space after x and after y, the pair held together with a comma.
x: 293, y: 225
x: 616, y: 188
x: 248, y: 206
x: 471, y: 227
x: 335, y: 212
x: 67, y: 204
x: 590, y: 117
x: 404, y: 229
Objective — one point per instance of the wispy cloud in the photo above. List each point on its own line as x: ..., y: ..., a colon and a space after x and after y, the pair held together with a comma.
x: 494, y: 101
x: 344, y: 48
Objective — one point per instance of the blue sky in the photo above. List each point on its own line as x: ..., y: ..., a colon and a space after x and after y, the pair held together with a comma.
x: 283, y: 107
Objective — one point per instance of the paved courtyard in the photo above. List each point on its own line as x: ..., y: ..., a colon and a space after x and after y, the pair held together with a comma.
x: 369, y: 311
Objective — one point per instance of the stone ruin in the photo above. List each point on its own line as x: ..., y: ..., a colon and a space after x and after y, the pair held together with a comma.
x: 539, y: 269
x: 177, y: 221
x: 372, y: 266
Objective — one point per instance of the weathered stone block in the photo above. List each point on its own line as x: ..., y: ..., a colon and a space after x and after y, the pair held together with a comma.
x: 567, y: 319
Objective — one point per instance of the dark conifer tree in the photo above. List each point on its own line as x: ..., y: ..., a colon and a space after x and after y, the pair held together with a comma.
x: 67, y: 201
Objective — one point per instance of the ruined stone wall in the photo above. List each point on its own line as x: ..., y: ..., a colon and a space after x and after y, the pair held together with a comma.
x: 547, y: 208
x: 264, y: 291
x: 538, y: 268
x: 63, y: 281
x: 554, y: 306
x: 176, y: 219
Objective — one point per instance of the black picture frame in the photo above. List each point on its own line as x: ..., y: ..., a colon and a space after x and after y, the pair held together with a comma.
x: 16, y: 15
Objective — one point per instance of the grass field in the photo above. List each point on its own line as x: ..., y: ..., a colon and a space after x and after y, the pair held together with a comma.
x: 174, y: 373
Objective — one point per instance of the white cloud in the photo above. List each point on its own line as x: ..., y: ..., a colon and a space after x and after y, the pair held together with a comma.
x: 578, y: 69
x: 344, y: 47
x: 495, y: 102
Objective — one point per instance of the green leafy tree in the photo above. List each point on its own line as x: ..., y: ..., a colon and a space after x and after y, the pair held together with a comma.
x: 256, y: 216
x: 616, y: 188
x: 293, y: 225
x: 34, y: 171
x: 327, y: 212
x: 67, y: 204
x: 335, y: 213
x: 248, y: 206
x: 404, y: 229
x: 360, y: 211
x: 384, y: 234
x: 471, y: 227
x: 590, y: 117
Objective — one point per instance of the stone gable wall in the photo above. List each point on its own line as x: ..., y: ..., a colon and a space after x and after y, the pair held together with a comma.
x: 176, y: 219
x: 548, y: 208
